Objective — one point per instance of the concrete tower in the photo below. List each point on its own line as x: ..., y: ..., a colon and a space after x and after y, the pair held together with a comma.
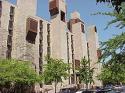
x: 78, y: 30
x: 79, y: 40
x: 57, y: 10
x: 94, y: 54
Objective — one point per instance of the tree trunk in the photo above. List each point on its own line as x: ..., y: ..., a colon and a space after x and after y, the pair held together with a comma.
x: 86, y: 86
x: 55, y: 85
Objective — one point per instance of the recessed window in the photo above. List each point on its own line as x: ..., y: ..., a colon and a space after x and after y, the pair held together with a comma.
x: 31, y: 36
x: 99, y: 53
x: 0, y: 8
x: 77, y: 63
x: 95, y: 29
x: 82, y: 28
x: 31, y: 30
x: 54, y: 7
x: 62, y: 16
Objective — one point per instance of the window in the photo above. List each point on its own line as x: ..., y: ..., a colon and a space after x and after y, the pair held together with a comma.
x: 31, y: 36
x: 69, y: 26
x: 31, y: 30
x: 99, y: 53
x: 62, y: 16
x: 77, y: 63
x: 48, y: 40
x: 40, y: 48
x: 72, y: 79
x: 0, y: 8
x: 10, y: 30
x: 54, y: 7
x: 82, y: 28
x: 95, y: 29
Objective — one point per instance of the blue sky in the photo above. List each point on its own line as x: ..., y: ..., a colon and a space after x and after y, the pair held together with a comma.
x: 85, y: 8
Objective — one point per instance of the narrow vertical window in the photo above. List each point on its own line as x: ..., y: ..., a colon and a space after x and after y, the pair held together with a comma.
x: 10, y: 33
x: 73, y: 61
x: 0, y: 11
x: 68, y: 56
x: 99, y: 53
x: 54, y: 7
x: 40, y: 48
x: 77, y: 63
x: 82, y: 28
x: 95, y: 29
x: 48, y: 40
x: 62, y: 16
x: 0, y: 8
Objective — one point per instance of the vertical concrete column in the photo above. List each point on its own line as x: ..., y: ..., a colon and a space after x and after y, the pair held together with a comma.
x: 57, y: 9
x: 93, y: 45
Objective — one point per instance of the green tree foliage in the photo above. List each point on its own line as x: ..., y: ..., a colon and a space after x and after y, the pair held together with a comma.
x: 115, y: 3
x: 114, y: 45
x: 55, y: 71
x: 86, y: 72
x: 113, y: 50
x: 17, y: 74
x: 119, y: 16
x: 114, y: 70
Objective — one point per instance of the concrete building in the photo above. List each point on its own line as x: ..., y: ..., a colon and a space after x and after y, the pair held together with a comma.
x: 25, y: 36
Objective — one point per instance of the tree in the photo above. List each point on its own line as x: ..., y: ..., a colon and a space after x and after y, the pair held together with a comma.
x: 16, y: 76
x: 86, y: 72
x: 115, y: 3
x: 113, y: 50
x: 54, y: 71
x: 117, y: 43
x: 113, y: 72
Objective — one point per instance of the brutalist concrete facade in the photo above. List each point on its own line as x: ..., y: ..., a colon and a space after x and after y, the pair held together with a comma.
x: 25, y: 36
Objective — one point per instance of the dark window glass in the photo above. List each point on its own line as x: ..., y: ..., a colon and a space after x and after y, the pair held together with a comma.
x: 31, y: 36
x: 77, y: 64
x: 62, y: 16
x: 0, y: 8
x: 31, y: 30
x: 99, y: 53
x: 82, y: 28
